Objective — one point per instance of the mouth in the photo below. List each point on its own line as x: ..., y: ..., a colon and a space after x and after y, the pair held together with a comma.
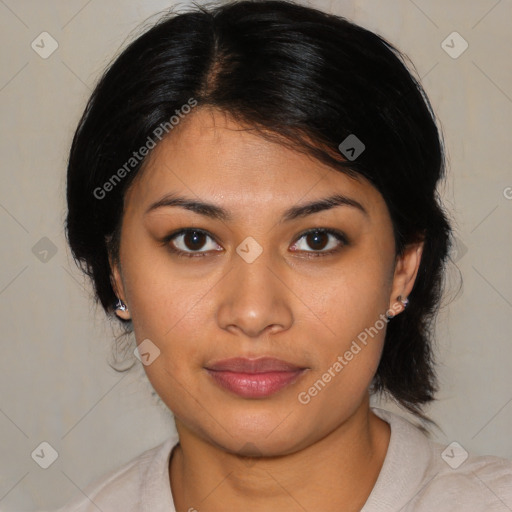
x: 254, y: 378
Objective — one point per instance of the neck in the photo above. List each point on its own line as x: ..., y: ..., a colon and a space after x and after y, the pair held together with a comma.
x: 338, y: 470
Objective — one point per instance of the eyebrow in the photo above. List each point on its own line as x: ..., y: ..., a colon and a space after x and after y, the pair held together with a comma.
x: 217, y: 212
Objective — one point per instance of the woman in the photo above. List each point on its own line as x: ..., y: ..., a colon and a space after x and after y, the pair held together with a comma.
x: 252, y: 189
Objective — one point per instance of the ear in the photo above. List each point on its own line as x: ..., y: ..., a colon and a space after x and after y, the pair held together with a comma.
x: 116, y: 280
x: 406, y: 270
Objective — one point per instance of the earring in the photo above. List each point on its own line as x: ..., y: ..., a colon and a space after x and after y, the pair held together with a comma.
x: 120, y: 305
x: 403, y: 301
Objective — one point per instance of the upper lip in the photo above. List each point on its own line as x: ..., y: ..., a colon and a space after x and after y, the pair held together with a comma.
x: 261, y: 365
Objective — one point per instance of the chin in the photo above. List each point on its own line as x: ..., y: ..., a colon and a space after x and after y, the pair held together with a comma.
x: 269, y: 437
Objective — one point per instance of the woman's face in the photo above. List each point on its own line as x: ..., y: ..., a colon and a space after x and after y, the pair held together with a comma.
x: 255, y: 284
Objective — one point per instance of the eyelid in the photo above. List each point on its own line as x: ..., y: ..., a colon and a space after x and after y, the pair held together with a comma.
x: 166, y: 241
x: 339, y: 235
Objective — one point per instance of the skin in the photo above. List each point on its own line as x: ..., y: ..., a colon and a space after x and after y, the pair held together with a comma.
x: 274, y: 453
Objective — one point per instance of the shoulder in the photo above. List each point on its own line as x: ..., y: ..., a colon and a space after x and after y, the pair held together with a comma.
x: 423, y: 475
x: 126, y: 487
x: 457, y: 478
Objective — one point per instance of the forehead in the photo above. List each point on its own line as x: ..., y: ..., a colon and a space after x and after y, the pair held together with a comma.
x: 210, y: 155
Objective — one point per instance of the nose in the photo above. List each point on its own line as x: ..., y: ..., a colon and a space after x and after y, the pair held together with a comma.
x: 255, y: 299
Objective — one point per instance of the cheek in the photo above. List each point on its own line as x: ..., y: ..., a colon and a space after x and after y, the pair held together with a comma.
x: 349, y: 348
x: 354, y: 296
x: 161, y: 296
x: 351, y: 323
x: 171, y: 309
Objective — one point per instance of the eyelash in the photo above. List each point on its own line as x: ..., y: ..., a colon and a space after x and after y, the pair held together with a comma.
x: 340, y: 236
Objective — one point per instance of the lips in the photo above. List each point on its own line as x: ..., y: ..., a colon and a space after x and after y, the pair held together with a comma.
x: 261, y: 365
x: 254, y: 378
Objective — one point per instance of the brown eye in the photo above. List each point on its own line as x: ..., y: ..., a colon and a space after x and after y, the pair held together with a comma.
x: 318, y: 240
x: 189, y: 241
x: 194, y: 240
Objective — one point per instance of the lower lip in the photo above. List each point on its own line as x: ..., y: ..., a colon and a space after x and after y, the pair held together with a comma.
x: 254, y: 385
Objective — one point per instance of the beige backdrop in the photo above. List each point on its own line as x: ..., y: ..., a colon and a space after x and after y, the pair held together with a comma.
x: 56, y: 386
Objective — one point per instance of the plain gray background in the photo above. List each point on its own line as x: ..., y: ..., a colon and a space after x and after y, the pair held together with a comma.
x: 56, y: 385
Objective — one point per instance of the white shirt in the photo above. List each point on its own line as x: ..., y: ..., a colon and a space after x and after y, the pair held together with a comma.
x: 416, y: 477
